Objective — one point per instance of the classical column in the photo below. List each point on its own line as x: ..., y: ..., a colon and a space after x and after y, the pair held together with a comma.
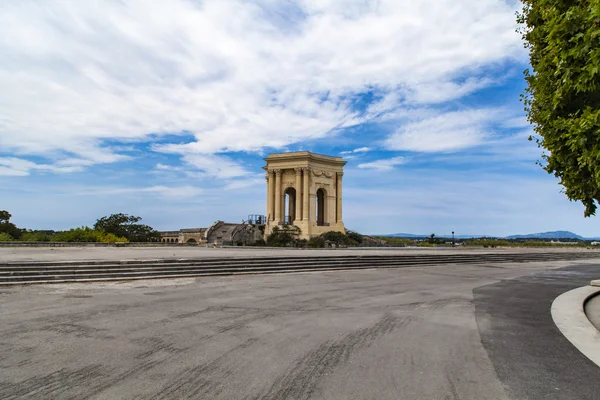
x: 270, y: 184
x: 338, y: 193
x: 305, y: 195
x: 277, y: 196
x: 298, y: 194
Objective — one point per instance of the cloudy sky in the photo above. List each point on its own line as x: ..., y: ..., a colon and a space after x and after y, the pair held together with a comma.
x: 166, y: 110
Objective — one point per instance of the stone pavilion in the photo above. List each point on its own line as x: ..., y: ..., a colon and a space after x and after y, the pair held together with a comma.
x: 304, y: 190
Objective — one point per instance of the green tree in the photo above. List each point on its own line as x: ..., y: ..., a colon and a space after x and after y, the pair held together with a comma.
x: 562, y: 98
x: 8, y: 227
x: 432, y: 238
x: 4, y: 216
x: 127, y: 226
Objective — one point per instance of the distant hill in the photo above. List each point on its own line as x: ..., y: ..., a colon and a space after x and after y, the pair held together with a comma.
x: 404, y: 235
x: 540, y: 235
x: 410, y: 235
x: 548, y: 235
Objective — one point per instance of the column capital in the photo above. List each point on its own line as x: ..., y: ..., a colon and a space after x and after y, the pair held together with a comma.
x: 306, y: 169
x: 277, y: 171
x: 298, y: 170
x: 339, y: 174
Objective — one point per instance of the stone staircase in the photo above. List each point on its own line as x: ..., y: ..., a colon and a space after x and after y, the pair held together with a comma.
x: 20, y: 273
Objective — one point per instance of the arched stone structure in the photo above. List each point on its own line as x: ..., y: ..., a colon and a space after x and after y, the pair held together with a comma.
x: 313, y: 186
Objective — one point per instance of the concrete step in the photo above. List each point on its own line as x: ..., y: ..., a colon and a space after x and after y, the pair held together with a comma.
x: 300, y: 259
x: 116, y: 268
x: 289, y: 260
x: 23, y: 273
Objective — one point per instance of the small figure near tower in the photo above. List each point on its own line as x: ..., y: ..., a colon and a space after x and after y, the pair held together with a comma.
x: 305, y: 190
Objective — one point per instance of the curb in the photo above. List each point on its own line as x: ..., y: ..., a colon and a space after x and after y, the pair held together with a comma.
x: 569, y: 316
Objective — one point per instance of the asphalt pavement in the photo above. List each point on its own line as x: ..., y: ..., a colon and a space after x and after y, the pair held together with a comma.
x: 431, y: 332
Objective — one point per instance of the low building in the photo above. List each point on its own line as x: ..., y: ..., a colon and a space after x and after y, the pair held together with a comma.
x: 218, y: 234
x: 190, y: 236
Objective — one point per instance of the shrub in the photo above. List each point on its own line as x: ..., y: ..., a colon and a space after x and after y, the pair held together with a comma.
x: 341, y: 239
x: 35, y: 236
x: 397, y: 241
x: 301, y: 243
x: 279, y: 238
x: 488, y: 242
x: 5, y: 237
x: 112, y: 238
x: 355, y: 236
x: 316, y: 242
x: 83, y: 234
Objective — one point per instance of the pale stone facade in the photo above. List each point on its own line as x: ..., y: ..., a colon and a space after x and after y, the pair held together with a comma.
x: 190, y: 236
x: 218, y: 234
x: 305, y: 190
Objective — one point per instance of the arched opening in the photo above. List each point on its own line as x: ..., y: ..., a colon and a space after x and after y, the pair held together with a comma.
x: 289, y: 205
x: 191, y: 241
x: 320, y: 207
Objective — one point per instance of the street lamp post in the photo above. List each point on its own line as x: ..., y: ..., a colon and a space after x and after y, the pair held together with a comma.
x: 452, y: 238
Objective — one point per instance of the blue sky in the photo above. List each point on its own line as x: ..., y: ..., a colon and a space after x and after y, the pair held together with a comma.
x: 166, y: 109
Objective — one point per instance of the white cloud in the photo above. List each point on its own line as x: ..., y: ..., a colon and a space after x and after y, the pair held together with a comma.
x: 358, y: 150
x: 450, y: 131
x: 12, y: 166
x: 438, y: 92
x: 383, y: 165
x: 240, y: 76
x: 169, y: 192
x: 244, y: 183
x: 208, y: 165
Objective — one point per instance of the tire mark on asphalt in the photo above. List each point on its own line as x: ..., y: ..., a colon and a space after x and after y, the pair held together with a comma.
x: 156, y: 345
x: 51, y: 386
x: 302, y: 380
x: 77, y: 329
x: 204, y: 379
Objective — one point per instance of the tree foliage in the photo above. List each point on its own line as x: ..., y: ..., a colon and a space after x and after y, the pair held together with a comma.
x: 316, y: 242
x: 562, y: 99
x: 123, y: 225
x: 8, y: 227
x: 4, y: 216
x: 87, y: 235
x: 36, y: 236
x: 279, y: 238
x: 5, y: 237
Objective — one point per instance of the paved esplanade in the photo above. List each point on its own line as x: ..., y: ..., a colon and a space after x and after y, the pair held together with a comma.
x: 431, y: 332
x: 21, y: 254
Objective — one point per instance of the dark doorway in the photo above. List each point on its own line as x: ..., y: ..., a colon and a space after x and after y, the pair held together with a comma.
x: 290, y: 205
x: 321, y: 207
